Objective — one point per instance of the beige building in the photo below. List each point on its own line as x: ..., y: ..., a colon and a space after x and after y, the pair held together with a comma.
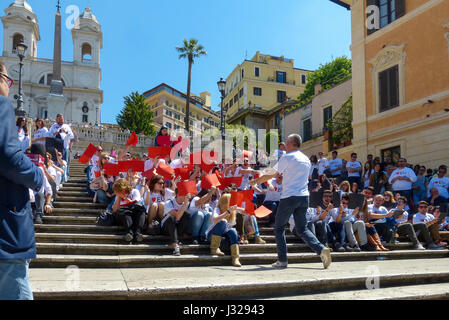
x: 169, y: 109
x: 257, y: 86
x: 309, y: 120
x: 401, y: 79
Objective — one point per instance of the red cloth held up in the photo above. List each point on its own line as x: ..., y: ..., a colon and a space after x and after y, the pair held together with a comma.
x: 133, y: 140
x: 111, y: 169
x: 134, y: 165
x: 90, y: 151
x: 187, y: 187
x: 164, y: 141
x: 160, y: 152
x: 208, y: 181
x: 184, y: 173
x: 225, y: 182
x: 165, y: 170
x: 148, y: 174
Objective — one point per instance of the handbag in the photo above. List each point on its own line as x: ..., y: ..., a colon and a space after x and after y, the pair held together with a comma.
x: 106, y: 219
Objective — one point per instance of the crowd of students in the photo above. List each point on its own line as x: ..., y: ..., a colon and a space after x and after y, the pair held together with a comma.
x: 400, y: 200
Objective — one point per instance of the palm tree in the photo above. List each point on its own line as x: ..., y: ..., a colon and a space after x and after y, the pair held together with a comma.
x: 191, y: 50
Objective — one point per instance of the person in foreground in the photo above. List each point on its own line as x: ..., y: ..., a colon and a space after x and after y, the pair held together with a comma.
x: 294, y: 167
x: 17, y: 175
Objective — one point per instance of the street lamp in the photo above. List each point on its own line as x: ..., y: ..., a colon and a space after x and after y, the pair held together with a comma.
x: 222, y: 87
x: 21, y: 49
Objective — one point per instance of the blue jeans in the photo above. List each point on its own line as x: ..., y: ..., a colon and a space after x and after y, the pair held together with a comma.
x: 14, y: 281
x: 219, y: 230
x: 111, y: 204
x: 65, y: 157
x: 298, y: 206
x: 200, y: 222
x: 338, y: 229
x: 256, y: 226
x: 102, y: 197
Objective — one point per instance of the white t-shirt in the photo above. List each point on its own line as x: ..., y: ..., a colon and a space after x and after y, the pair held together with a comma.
x: 420, y: 218
x: 94, y: 160
x: 401, y: 185
x: 65, y: 136
x: 133, y: 197
x: 52, y: 172
x: 40, y: 133
x: 295, y: 168
x: 246, y: 177
x: 323, y: 163
x: 380, y: 210
x: 168, y: 207
x: 334, y: 164
x: 176, y: 164
x: 276, y: 194
x: 403, y: 219
x: 193, y: 206
x: 155, y: 197
x: 148, y: 165
x: 366, y: 177
x: 354, y: 165
x: 45, y: 190
x: 442, y: 184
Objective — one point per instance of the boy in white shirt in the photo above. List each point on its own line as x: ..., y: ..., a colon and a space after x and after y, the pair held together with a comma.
x: 402, y: 180
x: 441, y: 183
x: 431, y: 223
x: 354, y: 169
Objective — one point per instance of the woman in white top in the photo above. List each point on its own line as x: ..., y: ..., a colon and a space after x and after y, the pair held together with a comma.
x: 40, y: 134
x: 155, y: 195
x: 368, y: 172
x: 23, y: 134
x: 222, y: 221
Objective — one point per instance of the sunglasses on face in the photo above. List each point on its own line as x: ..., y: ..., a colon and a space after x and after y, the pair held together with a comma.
x: 345, y: 203
x: 8, y: 80
x: 423, y: 207
x: 329, y: 197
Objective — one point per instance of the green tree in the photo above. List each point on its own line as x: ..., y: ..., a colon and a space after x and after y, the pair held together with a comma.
x: 190, y: 50
x: 328, y: 75
x: 136, y: 115
x: 340, y: 126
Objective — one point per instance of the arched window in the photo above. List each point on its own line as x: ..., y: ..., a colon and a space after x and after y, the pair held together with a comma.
x: 86, y: 53
x: 16, y: 40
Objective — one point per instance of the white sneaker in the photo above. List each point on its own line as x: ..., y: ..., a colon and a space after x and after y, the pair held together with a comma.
x: 280, y: 265
x: 326, y: 257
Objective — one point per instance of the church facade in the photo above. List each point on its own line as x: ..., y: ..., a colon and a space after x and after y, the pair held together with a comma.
x: 82, y: 95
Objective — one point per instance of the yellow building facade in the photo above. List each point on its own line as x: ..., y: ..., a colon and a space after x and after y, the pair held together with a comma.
x: 401, y: 80
x: 169, y: 107
x: 257, y: 86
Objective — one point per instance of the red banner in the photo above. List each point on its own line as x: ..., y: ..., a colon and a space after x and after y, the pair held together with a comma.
x: 111, y: 169
x: 208, y: 181
x: 90, y: 151
x: 160, y: 152
x: 133, y: 140
x: 187, y: 187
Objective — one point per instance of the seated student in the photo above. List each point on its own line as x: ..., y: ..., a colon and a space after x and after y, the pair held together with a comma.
x: 273, y: 197
x: 371, y: 232
x: 436, y: 200
x: 318, y: 222
x: 222, y: 221
x: 389, y: 200
x: 351, y: 225
x: 404, y: 228
x: 61, y: 164
x: 100, y: 184
x: 343, y: 188
x: 155, y: 194
x: 199, y: 215
x: 128, y: 212
x: 50, y: 173
x: 445, y: 221
x: 432, y: 225
x: 379, y: 215
x: 176, y: 220
x: 396, y: 198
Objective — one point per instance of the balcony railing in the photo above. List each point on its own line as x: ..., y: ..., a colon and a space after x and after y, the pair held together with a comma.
x: 293, y: 83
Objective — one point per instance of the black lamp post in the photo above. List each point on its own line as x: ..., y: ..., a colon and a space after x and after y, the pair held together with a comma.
x: 222, y: 88
x: 21, y: 49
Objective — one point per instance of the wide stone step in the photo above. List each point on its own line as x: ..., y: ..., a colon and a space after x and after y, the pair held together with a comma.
x: 73, y: 189
x: 70, y: 220
x: 76, y: 185
x: 77, y: 180
x: 87, y: 205
x: 75, y: 212
x: 92, y: 229
x: 73, y: 199
x: 158, y: 261
x: 82, y: 194
x: 153, y: 249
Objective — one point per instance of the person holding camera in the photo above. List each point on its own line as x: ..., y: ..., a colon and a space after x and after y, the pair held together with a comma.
x: 62, y: 131
x: 17, y: 175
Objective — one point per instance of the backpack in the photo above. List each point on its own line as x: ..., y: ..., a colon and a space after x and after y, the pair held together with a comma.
x: 106, y: 219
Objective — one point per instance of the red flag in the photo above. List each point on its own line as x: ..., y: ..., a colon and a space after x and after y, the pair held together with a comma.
x: 90, y: 151
x: 184, y: 173
x: 247, y: 154
x: 134, y: 165
x: 225, y: 182
x: 207, y: 167
x: 166, y: 171
x: 148, y: 174
x: 164, y: 141
x: 133, y: 140
x: 187, y: 187
x: 111, y: 169
x: 262, y: 212
x: 236, y: 199
x: 208, y: 181
x: 160, y: 152
x: 250, y: 208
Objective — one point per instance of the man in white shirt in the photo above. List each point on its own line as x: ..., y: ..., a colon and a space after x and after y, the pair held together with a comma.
x: 323, y: 164
x: 354, y: 169
x: 402, y: 180
x: 432, y: 225
x: 441, y: 183
x: 66, y: 134
x: 294, y: 167
x: 335, y: 167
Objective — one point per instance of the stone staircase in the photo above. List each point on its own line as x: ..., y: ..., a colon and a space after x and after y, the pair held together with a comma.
x: 69, y: 237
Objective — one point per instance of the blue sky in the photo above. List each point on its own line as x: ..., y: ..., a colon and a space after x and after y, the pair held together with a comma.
x: 139, y: 39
